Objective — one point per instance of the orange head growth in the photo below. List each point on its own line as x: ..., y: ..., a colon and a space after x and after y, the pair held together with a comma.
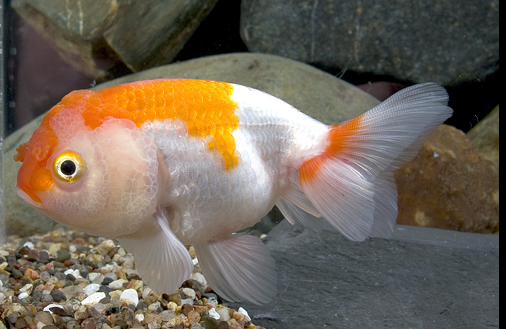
x: 205, y: 106
x: 33, y: 175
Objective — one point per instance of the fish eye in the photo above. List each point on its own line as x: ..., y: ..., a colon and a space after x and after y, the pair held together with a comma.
x: 68, y: 166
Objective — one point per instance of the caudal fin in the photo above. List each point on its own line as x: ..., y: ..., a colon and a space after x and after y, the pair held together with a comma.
x: 352, y: 184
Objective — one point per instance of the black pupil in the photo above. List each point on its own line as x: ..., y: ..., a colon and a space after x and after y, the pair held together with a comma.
x: 68, y: 167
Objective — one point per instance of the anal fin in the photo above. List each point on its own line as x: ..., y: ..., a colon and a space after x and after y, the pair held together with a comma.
x: 295, y: 214
x: 239, y: 268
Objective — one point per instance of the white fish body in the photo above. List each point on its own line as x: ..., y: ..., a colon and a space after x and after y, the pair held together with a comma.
x: 166, y: 163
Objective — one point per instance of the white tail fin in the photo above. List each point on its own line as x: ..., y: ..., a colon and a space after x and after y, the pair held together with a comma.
x: 351, y: 184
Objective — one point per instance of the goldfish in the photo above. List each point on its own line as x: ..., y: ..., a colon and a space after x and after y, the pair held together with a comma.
x: 163, y: 164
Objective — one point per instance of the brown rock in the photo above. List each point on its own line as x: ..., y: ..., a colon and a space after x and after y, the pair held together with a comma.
x: 449, y: 185
x: 485, y: 136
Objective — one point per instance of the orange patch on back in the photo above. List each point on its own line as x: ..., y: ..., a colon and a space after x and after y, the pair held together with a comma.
x: 338, y: 136
x: 205, y: 106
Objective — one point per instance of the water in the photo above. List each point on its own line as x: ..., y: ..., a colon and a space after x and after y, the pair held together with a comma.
x: 35, y: 76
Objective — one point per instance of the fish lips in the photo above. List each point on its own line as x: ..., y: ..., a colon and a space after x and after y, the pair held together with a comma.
x: 30, y: 198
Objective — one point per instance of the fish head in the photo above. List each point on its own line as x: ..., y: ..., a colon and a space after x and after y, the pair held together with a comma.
x: 102, y: 178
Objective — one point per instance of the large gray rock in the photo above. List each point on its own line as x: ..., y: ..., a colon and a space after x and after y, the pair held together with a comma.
x: 95, y: 34
x: 443, y: 41
x: 422, y: 278
x: 319, y: 94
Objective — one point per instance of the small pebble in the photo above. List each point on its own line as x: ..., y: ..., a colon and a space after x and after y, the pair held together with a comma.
x: 129, y: 297
x: 62, y: 255
x: 106, y: 281
x: 214, y: 314
x: 91, y: 289
x: 93, y: 298
x: 15, y: 273
x: 243, y: 312
x: 167, y: 315
x: 50, y: 306
x: 43, y: 317
x: 21, y: 323
x: 57, y: 295
x: 186, y: 301
x: 23, y: 295
x: 224, y: 313
x: 27, y: 288
x: 186, y: 308
x: 65, y: 279
x: 117, y: 284
x: 188, y: 292
x: 75, y: 273
x: 45, y: 276
x: 95, y: 277
x: 139, y: 317
x: 110, y: 275
x: 13, y: 317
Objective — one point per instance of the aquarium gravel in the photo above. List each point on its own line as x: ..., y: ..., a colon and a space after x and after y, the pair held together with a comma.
x: 67, y: 279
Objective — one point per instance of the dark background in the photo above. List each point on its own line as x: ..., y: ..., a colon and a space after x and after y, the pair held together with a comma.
x: 37, y: 78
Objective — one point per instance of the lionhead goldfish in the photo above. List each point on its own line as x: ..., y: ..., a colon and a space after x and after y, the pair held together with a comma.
x: 162, y: 164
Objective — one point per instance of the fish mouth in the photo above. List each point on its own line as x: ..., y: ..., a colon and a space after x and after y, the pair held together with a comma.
x: 30, y: 198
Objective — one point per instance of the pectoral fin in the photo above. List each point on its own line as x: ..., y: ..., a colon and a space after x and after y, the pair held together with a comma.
x: 162, y: 260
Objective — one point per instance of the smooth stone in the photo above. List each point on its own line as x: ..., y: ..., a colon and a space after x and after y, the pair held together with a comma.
x: 44, y: 317
x: 224, y: 313
x: 95, y: 277
x: 62, y: 255
x: 45, y: 276
x: 93, y: 299
x: 421, y: 278
x: 447, y: 42
x: 318, y: 94
x: 91, y: 289
x: 22, y: 295
x: 57, y: 295
x: 449, y: 185
x: 129, y: 297
x: 215, y: 315
x: 188, y: 292
x: 167, y: 315
x: 117, y: 284
x: 199, y: 281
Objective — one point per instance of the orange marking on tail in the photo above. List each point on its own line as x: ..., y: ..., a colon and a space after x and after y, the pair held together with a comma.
x: 338, y: 136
